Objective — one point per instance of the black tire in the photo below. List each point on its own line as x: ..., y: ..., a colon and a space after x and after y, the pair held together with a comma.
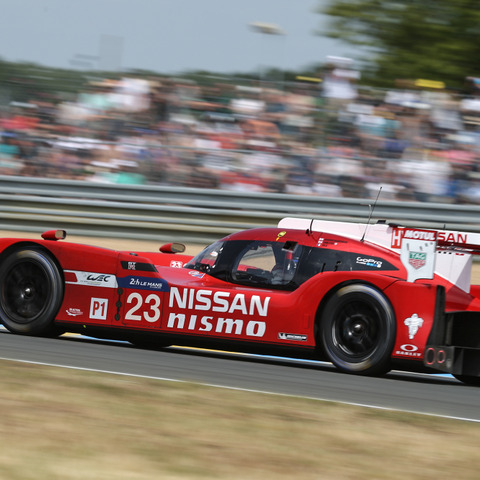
x: 31, y: 292
x: 357, y: 330
x: 468, y: 380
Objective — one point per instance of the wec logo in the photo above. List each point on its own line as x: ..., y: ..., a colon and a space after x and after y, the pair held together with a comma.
x: 91, y: 279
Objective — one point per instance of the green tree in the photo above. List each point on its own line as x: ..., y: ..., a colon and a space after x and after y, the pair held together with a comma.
x: 410, y: 39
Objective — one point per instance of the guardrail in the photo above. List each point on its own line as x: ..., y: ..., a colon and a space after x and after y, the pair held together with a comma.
x: 167, y: 213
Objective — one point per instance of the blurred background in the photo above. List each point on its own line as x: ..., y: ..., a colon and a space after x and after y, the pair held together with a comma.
x: 328, y: 98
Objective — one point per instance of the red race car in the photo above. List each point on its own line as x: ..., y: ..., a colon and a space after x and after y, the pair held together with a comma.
x: 367, y: 298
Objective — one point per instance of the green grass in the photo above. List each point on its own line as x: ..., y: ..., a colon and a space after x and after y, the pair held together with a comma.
x: 66, y: 424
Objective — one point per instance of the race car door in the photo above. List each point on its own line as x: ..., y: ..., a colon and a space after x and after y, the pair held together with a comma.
x: 141, y: 293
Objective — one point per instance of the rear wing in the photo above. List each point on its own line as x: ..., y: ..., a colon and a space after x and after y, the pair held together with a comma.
x: 423, y: 252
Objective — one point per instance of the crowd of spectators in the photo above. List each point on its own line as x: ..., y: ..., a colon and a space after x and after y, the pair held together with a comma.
x: 328, y: 138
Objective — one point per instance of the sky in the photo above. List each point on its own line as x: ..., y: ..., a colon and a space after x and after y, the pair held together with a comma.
x: 165, y: 36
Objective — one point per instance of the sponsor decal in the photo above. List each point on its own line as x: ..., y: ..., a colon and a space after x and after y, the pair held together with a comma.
x: 219, y: 301
x: 428, y: 235
x: 292, y: 336
x: 91, y: 279
x: 228, y: 326
x: 398, y: 234
x: 196, y: 274
x: 176, y: 264
x: 280, y: 235
x: 369, y: 262
x: 74, y: 312
x: 141, y: 266
x: 98, y: 308
x: 143, y: 283
x: 454, y: 237
x: 413, y: 323
x: 235, y: 304
x: 408, y: 350
x: 417, y: 259
x: 328, y: 242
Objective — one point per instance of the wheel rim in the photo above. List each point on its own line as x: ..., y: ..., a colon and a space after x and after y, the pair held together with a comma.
x: 26, y: 289
x: 355, y: 330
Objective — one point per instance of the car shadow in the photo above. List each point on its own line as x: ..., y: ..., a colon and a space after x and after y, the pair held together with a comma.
x: 306, y: 364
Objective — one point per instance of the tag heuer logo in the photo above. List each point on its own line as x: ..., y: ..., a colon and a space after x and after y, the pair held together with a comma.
x: 417, y: 259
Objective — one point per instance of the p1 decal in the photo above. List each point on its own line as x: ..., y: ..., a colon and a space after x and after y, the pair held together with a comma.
x: 98, y: 308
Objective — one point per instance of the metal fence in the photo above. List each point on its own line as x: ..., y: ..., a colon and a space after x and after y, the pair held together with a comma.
x: 193, y: 215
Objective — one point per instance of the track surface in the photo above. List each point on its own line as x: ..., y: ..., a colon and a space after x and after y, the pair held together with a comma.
x: 436, y: 395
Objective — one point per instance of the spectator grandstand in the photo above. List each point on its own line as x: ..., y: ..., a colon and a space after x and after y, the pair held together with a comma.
x: 418, y: 144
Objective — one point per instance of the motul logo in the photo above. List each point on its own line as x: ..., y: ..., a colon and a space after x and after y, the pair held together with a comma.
x: 399, y: 234
x: 428, y: 235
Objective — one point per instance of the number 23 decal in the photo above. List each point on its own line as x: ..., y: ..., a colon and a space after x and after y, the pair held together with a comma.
x: 151, y: 313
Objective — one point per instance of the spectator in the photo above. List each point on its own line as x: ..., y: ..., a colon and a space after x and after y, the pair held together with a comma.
x: 417, y: 145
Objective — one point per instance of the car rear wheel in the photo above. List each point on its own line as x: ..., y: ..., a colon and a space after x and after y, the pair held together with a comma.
x: 31, y: 292
x: 357, y: 330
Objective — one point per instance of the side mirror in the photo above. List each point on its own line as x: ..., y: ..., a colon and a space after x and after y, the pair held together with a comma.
x: 54, y: 235
x: 172, y: 248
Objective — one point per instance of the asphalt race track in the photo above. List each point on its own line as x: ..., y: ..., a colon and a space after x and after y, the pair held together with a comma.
x: 429, y: 394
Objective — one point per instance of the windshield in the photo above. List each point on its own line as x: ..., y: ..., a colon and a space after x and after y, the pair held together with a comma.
x: 206, y: 260
x: 250, y: 262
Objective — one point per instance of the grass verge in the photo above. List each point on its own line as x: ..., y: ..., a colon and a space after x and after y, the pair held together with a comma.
x: 65, y: 424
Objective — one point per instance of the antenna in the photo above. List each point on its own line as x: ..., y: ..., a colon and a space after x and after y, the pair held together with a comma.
x: 372, y: 208
x: 309, y: 229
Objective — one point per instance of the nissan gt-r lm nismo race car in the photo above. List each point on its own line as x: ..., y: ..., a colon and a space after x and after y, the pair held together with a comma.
x: 367, y: 298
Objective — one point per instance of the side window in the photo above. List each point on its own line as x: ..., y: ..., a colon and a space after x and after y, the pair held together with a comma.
x: 270, y: 264
x: 320, y: 260
x: 254, y: 264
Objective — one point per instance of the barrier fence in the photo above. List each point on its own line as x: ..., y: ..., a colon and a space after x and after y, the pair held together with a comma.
x: 194, y: 215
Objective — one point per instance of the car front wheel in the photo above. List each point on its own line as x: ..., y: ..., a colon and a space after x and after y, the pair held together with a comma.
x: 31, y: 292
